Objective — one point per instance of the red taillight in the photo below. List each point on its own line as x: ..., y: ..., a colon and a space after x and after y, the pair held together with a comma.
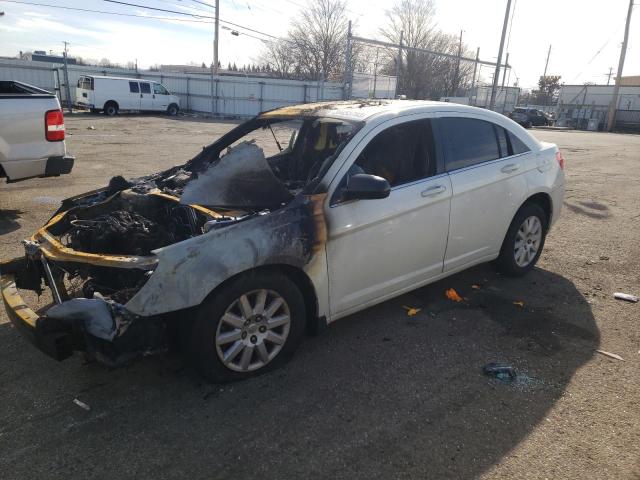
x: 560, y: 159
x: 54, y: 125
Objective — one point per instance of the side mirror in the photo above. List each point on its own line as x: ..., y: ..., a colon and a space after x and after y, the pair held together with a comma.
x: 362, y: 186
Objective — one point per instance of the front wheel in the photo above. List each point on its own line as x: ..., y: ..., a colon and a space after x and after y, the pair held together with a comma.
x: 172, y: 111
x: 248, y: 327
x: 524, y: 241
x: 111, y: 109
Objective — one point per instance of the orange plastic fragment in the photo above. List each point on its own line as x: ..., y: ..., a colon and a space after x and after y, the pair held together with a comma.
x: 451, y: 294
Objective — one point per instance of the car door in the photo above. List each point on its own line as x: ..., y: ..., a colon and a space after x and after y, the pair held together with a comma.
x: 160, y: 97
x: 146, y: 97
x: 488, y: 186
x: 133, y: 100
x: 379, y: 248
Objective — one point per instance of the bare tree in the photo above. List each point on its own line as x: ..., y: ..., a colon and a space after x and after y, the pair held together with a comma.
x: 425, y: 75
x: 314, y: 47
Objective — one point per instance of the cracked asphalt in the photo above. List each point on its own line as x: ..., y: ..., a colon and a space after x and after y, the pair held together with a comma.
x: 379, y: 394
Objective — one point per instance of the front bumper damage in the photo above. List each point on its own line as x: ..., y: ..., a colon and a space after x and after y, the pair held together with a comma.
x: 99, y: 326
x: 102, y: 328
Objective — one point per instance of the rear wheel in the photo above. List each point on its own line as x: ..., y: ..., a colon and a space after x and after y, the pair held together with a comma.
x: 250, y: 326
x: 524, y: 241
x: 110, y: 109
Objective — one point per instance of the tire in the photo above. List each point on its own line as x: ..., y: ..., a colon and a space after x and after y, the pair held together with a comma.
x: 515, y: 260
x: 173, y: 109
x: 110, y: 109
x: 528, y: 124
x: 225, y: 347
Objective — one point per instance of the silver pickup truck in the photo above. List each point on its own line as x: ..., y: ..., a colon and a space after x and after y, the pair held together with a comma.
x: 31, y: 133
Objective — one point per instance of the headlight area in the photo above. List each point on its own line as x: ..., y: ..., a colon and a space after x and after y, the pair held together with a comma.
x: 88, y: 311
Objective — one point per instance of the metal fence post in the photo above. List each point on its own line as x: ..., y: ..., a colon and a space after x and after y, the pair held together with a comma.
x: 261, y: 94
x: 304, y: 93
x: 188, y: 108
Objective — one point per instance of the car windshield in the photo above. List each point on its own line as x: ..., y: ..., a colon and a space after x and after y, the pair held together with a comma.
x: 266, y: 161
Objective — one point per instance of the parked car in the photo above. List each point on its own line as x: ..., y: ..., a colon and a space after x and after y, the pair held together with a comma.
x: 113, y: 94
x: 31, y: 133
x: 297, y: 218
x: 530, y: 117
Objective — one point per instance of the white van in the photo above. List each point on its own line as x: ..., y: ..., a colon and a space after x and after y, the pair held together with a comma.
x: 112, y: 94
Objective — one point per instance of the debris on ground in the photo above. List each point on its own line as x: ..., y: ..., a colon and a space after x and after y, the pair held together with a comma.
x: 91, y: 127
x: 625, y: 296
x: 519, y: 303
x: 411, y: 311
x: 475, y: 287
x: 451, y: 294
x: 604, y: 257
x: 609, y: 354
x: 81, y: 404
x: 503, y: 372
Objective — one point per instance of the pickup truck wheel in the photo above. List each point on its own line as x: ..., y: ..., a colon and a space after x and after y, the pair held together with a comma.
x: 111, y: 109
x: 172, y: 111
x: 524, y: 241
x: 250, y: 326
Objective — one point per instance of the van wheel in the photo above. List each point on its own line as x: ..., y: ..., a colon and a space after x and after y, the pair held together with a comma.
x: 524, y: 241
x: 172, y: 110
x: 248, y: 327
x: 111, y: 108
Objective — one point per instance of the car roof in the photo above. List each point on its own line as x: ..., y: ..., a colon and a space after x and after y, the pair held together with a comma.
x: 121, y: 78
x: 367, y: 110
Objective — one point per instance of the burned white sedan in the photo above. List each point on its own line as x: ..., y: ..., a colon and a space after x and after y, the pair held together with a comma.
x: 292, y: 220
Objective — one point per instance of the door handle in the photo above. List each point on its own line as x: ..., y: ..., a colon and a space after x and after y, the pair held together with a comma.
x: 140, y: 95
x: 512, y: 167
x: 153, y: 96
x: 432, y: 191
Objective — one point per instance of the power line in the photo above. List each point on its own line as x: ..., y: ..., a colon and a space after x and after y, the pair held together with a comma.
x: 197, y: 16
x: 77, y: 9
x: 120, y: 14
x: 159, y: 9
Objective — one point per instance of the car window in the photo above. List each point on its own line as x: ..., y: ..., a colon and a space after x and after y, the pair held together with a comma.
x: 470, y: 141
x: 517, y: 145
x: 503, y: 143
x: 159, y: 89
x: 400, y: 154
x: 145, y: 88
x: 133, y: 87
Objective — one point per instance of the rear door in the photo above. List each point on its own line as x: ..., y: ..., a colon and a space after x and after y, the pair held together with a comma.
x: 134, y: 96
x: 378, y: 248
x: 488, y: 187
x: 146, y: 96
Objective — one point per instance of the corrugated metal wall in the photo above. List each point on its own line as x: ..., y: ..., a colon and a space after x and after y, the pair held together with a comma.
x: 233, y: 96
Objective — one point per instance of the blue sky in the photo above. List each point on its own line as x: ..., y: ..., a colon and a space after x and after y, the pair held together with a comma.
x: 586, y: 34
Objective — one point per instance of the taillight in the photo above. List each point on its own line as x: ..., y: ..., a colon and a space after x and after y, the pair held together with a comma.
x: 560, y: 159
x: 54, y: 125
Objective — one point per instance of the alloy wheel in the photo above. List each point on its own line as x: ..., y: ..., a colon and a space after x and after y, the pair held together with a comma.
x: 528, y: 239
x: 253, y: 330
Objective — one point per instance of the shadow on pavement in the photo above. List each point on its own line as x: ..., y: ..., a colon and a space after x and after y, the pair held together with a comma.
x: 8, y: 221
x: 378, y: 395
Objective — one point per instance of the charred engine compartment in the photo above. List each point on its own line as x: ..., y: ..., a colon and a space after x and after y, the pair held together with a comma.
x: 126, y: 224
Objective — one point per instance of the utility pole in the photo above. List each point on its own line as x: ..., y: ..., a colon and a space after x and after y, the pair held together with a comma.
x: 346, y: 80
x: 496, y: 75
x: 66, y: 80
x: 616, y: 89
x: 454, y: 85
x: 399, y: 64
x: 375, y: 73
x: 214, y: 66
x: 547, y: 63
x: 475, y: 68
x: 609, y: 75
